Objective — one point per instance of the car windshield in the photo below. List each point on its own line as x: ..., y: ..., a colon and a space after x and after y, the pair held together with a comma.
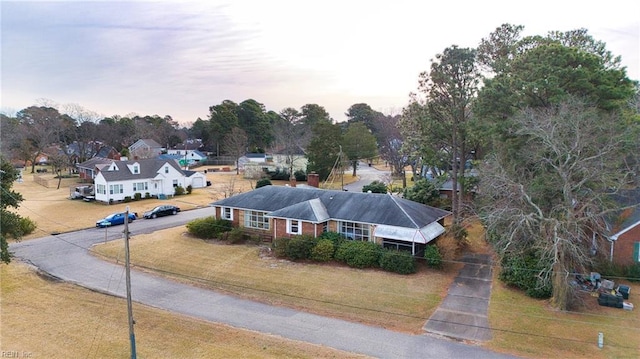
x: 110, y: 216
x: 159, y: 208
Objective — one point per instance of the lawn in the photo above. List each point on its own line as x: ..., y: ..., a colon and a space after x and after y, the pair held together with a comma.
x: 373, y: 297
x: 42, y: 318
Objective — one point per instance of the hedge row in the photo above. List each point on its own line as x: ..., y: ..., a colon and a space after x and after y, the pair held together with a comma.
x: 209, y: 227
x: 356, y: 254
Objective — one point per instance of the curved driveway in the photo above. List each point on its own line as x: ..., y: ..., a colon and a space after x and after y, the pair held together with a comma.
x: 66, y: 256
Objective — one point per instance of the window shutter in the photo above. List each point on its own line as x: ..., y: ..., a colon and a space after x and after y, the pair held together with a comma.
x: 636, y: 252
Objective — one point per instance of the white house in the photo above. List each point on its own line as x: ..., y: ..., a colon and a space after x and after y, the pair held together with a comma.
x: 145, y: 148
x: 187, y: 157
x: 156, y: 177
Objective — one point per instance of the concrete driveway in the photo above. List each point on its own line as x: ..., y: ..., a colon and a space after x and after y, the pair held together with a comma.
x: 66, y: 257
x: 463, y: 313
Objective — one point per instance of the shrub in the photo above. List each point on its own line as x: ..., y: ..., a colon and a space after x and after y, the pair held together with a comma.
x: 137, y: 196
x: 633, y: 273
x: 521, y: 270
x: 375, y: 187
x: 208, y: 227
x: 263, y: 182
x: 189, y: 189
x: 335, y: 237
x: 397, y: 261
x: 236, y: 236
x: 433, y: 256
x: 279, y: 247
x: 448, y: 247
x: 178, y: 191
x: 279, y: 175
x: 26, y: 225
x: 300, y: 175
x: 300, y: 247
x: 127, y: 199
x: 147, y: 195
x: 359, y: 254
x: 323, y: 250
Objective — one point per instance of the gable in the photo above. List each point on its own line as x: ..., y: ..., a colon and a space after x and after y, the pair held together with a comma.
x: 149, y: 168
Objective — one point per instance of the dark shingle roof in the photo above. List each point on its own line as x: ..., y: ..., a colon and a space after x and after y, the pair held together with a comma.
x: 148, y: 169
x: 296, y: 202
x: 624, y: 219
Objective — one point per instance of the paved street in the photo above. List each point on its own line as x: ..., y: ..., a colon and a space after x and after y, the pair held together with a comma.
x: 65, y: 256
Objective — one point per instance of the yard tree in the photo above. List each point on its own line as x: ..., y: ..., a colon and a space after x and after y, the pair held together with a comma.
x: 252, y: 118
x: 391, y: 145
x: 39, y: 127
x: 312, y: 114
x: 235, y: 144
x: 555, y: 199
x: 449, y: 89
x: 562, y: 135
x: 358, y: 144
x: 290, y: 136
x: 10, y: 222
x: 223, y: 118
x: 324, y: 150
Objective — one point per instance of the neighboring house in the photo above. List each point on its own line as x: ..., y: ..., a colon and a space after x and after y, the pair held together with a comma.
x: 89, y: 168
x: 284, y: 157
x: 145, y: 148
x: 282, y: 211
x: 156, y: 177
x: 187, y: 157
x: 624, y: 240
x: 108, y: 152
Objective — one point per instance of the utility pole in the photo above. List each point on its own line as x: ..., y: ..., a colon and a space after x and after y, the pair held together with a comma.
x: 341, y: 171
x: 132, y: 336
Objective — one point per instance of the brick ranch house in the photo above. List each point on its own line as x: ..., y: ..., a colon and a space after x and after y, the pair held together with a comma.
x: 624, y: 229
x: 283, y: 211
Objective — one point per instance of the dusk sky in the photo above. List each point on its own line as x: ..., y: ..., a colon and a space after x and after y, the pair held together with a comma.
x: 178, y: 58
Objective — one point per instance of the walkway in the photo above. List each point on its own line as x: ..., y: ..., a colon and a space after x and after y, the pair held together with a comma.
x: 463, y: 313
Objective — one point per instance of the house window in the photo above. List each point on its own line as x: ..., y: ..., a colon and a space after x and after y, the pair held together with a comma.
x: 166, y: 169
x: 175, y: 183
x: 136, y: 169
x: 636, y: 252
x: 227, y: 213
x: 294, y: 226
x: 325, y: 227
x: 116, y: 189
x: 101, y: 189
x: 140, y: 186
x: 255, y: 219
x: 354, y: 231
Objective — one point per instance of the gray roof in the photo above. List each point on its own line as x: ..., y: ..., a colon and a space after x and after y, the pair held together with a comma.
x: 148, y: 169
x: 95, y: 161
x: 623, y: 220
x: 318, y: 205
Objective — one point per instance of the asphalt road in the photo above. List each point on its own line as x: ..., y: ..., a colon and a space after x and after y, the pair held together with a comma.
x: 66, y: 257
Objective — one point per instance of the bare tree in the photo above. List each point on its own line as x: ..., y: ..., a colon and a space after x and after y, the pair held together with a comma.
x: 235, y: 144
x: 556, y: 201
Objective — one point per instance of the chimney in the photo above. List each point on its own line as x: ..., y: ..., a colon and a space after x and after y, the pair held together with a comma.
x: 313, y: 180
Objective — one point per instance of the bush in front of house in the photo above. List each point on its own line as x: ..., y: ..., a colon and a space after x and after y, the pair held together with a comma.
x: 263, y: 182
x: 147, y: 195
x: 189, y: 189
x: 279, y: 247
x: 235, y: 236
x: 433, y: 256
x: 137, y: 196
x: 395, y: 261
x: 359, y: 254
x: 335, y: 237
x: 127, y: 199
x: 323, y: 250
x: 178, y: 191
x: 26, y: 226
x: 209, y: 227
x: 299, y: 247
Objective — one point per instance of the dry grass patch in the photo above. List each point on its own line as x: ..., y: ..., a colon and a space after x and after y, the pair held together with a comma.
x: 57, y: 320
x: 374, y: 297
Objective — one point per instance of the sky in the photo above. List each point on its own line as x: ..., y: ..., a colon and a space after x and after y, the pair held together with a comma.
x: 178, y: 58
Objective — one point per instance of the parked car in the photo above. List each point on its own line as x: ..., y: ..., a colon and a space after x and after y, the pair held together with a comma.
x: 160, y: 211
x: 114, y: 219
